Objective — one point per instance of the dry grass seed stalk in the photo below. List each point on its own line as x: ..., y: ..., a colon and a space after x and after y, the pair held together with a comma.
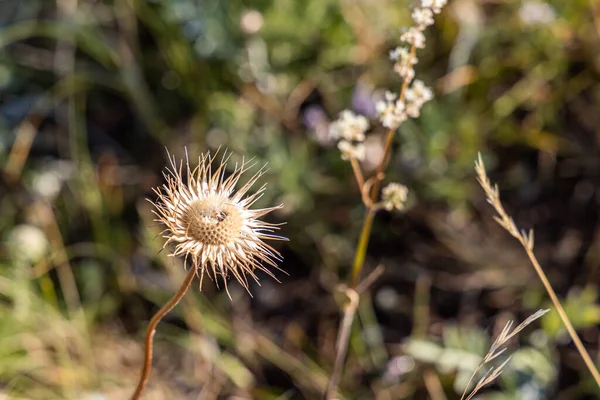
x: 527, y: 241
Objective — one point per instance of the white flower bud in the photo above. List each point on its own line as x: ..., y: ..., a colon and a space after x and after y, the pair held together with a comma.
x: 349, y: 126
x: 394, y: 196
x: 352, y: 151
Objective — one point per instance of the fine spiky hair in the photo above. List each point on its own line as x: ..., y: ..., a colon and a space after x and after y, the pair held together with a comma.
x: 211, y: 222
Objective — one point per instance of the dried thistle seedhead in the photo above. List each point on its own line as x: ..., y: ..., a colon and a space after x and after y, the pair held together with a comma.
x: 211, y: 222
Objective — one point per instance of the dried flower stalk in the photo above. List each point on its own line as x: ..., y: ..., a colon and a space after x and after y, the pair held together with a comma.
x: 211, y: 223
x: 495, y: 350
x: 527, y: 241
x: 350, y: 130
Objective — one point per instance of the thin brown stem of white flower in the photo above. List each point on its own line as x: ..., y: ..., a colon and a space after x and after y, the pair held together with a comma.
x: 358, y: 175
x: 359, y: 256
x: 387, y: 150
x: 342, y: 342
x: 366, y: 199
x: 361, y: 249
x: 148, y: 343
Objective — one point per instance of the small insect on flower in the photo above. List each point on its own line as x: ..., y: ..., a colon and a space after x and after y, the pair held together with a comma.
x: 211, y: 222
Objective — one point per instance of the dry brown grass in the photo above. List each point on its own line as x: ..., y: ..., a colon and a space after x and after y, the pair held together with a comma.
x: 527, y: 241
x: 496, y: 349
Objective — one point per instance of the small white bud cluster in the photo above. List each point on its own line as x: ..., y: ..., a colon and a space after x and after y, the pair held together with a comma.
x: 349, y: 126
x: 392, y: 110
x: 415, y: 96
x: 403, y: 63
x: 351, y: 150
x: 434, y: 5
x: 414, y: 36
x: 350, y: 130
x: 423, y: 17
x: 394, y: 196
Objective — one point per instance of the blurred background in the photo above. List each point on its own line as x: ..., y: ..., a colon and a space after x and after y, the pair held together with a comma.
x: 93, y: 92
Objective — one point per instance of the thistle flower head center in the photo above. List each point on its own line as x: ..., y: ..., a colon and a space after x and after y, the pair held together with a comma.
x: 213, y: 223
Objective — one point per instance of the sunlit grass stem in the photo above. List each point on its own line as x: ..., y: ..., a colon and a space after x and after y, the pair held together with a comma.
x: 563, y: 315
x: 526, y: 240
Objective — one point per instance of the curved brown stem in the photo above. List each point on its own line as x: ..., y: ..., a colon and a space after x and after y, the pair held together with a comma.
x: 148, y: 343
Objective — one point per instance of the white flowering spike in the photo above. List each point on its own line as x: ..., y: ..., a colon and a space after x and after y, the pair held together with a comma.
x: 414, y: 37
x: 423, y: 17
x: 435, y: 5
x: 415, y: 96
x: 404, y: 62
x: 392, y: 111
x: 398, y: 53
x: 349, y: 126
x: 352, y: 151
x: 394, y: 196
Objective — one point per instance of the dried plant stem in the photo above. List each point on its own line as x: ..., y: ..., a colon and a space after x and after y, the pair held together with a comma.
x: 342, y: 342
x: 363, y: 241
x: 365, y: 233
x: 387, y: 150
x: 361, y: 249
x: 148, y: 343
x: 343, y: 337
x: 563, y: 315
x: 358, y: 175
x: 497, y: 348
x: 468, y: 385
x: 527, y: 241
